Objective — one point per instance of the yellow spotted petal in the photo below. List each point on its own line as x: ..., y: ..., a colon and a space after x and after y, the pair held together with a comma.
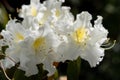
x: 80, y: 34
x: 38, y: 42
x: 19, y: 37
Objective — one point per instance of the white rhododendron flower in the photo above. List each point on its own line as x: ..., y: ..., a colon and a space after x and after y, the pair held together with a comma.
x: 29, y: 47
x: 85, y: 40
x: 32, y: 9
x: 49, y: 33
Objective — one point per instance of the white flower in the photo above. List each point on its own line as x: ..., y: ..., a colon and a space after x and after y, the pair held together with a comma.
x: 30, y: 47
x: 85, y: 40
x: 12, y: 36
x: 43, y: 47
x: 32, y: 9
x: 34, y: 12
x: 48, y: 11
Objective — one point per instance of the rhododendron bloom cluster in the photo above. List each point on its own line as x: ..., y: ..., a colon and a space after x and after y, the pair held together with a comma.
x: 49, y: 33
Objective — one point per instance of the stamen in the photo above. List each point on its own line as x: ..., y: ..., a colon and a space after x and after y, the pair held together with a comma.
x: 11, y: 59
x: 106, y: 42
x: 109, y: 45
x: 8, y: 57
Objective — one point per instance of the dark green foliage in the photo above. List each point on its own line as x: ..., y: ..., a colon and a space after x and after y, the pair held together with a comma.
x: 3, y: 17
x: 2, y: 76
x: 73, y: 69
x: 42, y: 75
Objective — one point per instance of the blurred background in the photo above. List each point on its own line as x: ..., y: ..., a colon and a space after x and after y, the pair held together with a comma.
x: 109, y: 68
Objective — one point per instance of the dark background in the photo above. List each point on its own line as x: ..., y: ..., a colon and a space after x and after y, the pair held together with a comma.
x: 109, y: 68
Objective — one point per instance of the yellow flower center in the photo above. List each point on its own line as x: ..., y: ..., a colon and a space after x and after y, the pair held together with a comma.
x: 19, y: 37
x: 33, y: 11
x: 39, y: 42
x: 80, y: 34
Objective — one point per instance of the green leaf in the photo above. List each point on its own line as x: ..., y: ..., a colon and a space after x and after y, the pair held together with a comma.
x: 20, y: 75
x: 42, y: 75
x: 10, y: 72
x: 3, y: 17
x: 73, y: 69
